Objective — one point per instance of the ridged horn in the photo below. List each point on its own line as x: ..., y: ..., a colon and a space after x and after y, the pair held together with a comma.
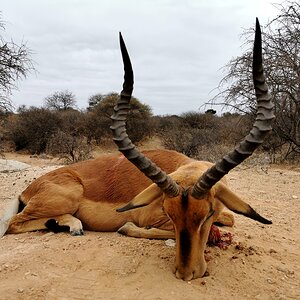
x: 261, y: 127
x: 120, y: 137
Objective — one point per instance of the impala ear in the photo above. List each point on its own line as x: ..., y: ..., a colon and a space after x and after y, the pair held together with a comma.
x: 236, y: 204
x: 144, y: 198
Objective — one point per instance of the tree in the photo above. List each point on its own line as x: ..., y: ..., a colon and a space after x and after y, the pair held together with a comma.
x: 15, y: 63
x: 139, y: 123
x: 32, y: 127
x: 94, y: 100
x: 60, y: 101
x: 281, y: 43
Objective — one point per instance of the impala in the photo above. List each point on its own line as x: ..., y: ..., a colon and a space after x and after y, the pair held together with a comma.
x: 154, y: 194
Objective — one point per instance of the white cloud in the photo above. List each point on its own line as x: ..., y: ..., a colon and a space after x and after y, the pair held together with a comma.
x: 177, y: 47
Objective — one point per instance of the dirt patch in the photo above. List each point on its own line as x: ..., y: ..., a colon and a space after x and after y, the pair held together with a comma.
x: 262, y: 263
x: 7, y: 165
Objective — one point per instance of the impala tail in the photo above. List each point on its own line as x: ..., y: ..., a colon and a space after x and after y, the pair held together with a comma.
x: 10, y: 211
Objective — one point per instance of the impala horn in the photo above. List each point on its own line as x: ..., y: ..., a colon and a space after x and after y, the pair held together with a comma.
x: 261, y: 127
x: 144, y: 164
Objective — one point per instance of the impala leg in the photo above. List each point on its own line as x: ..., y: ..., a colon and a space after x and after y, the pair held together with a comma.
x: 22, y: 223
x: 51, y: 207
x: 130, y: 229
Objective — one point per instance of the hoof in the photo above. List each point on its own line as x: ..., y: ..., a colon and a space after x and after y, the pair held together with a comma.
x: 122, y: 230
x: 225, y: 219
x: 126, y: 228
x: 206, y: 274
x: 77, y: 232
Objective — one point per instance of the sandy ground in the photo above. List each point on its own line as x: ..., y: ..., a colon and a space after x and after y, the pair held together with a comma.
x: 262, y: 263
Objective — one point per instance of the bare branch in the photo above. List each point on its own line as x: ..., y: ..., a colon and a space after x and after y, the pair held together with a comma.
x: 282, y: 67
x: 15, y: 63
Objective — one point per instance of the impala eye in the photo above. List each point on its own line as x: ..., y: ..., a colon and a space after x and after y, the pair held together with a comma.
x: 211, y: 212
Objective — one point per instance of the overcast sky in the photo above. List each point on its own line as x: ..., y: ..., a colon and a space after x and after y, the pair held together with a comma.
x: 177, y: 47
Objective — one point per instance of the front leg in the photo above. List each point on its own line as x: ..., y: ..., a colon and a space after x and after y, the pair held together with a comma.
x: 130, y: 229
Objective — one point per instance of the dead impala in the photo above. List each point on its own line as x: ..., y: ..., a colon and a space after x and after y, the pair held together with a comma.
x: 111, y: 194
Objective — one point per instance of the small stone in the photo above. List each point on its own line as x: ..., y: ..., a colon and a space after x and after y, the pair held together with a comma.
x: 270, y: 281
x: 20, y: 290
x: 279, y: 268
x: 170, y: 243
x: 239, y: 246
x: 295, y: 197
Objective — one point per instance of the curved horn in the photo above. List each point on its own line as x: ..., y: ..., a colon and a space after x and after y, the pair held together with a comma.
x: 261, y: 127
x: 144, y: 164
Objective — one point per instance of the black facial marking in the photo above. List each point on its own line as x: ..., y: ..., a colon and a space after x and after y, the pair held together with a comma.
x: 53, y: 225
x: 185, y: 246
x: 185, y: 199
x: 210, y: 214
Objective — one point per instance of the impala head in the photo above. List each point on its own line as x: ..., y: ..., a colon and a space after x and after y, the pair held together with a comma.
x: 193, y: 195
x: 192, y: 219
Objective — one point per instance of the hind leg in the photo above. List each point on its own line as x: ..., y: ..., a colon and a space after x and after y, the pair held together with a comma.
x: 57, y: 224
x: 52, y: 206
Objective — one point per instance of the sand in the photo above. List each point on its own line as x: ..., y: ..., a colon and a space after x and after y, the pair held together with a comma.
x: 262, y: 262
